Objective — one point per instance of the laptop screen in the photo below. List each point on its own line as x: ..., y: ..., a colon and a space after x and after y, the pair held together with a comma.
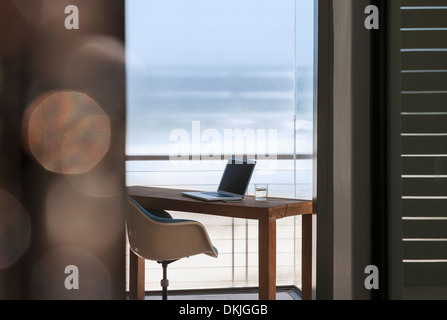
x: 236, y: 176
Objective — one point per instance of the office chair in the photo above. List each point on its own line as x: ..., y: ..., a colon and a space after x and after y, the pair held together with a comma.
x: 157, y: 236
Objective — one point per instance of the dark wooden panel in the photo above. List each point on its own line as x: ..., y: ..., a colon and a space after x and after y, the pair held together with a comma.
x: 436, y: 60
x: 424, y: 18
x: 424, y: 81
x: 425, y: 274
x: 425, y: 250
x: 424, y: 123
x: 424, y: 229
x: 434, y: 102
x: 424, y: 207
x: 424, y: 39
x: 424, y: 166
x: 424, y: 145
x: 424, y: 186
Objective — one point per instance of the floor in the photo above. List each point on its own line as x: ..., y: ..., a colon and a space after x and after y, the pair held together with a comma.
x: 284, y: 294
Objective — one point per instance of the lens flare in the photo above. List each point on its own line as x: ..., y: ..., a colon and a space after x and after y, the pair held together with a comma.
x: 75, y: 219
x: 67, y: 132
x: 85, y: 144
x: 104, y: 180
x: 15, y: 230
x: 97, y: 63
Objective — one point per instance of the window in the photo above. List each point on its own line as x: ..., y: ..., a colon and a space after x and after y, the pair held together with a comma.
x: 207, y: 80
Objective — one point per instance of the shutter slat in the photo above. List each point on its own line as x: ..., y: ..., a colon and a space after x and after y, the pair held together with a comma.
x: 431, y: 18
x: 424, y: 187
x: 433, y: 60
x: 422, y: 3
x: 424, y: 207
x: 424, y: 145
x: 425, y: 250
x: 424, y: 39
x: 424, y: 166
x: 424, y: 81
x: 435, y: 102
x: 424, y: 123
x: 426, y: 274
x: 425, y: 229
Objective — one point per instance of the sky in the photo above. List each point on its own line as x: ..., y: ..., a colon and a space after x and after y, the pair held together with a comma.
x: 219, y: 32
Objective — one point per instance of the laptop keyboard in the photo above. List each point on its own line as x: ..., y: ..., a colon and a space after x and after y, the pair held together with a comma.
x: 215, y: 194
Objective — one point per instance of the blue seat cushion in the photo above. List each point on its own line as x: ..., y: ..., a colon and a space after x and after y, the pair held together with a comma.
x: 158, y: 215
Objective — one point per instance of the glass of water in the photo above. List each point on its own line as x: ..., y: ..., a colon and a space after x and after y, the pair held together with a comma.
x: 261, y: 191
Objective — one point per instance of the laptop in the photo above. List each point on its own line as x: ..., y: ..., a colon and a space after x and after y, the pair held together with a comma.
x: 233, y: 184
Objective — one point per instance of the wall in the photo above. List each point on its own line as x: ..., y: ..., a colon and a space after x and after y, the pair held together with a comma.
x: 343, y: 207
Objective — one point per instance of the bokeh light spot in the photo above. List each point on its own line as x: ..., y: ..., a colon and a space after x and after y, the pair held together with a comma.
x: 85, y: 144
x: 76, y: 219
x: 67, y: 132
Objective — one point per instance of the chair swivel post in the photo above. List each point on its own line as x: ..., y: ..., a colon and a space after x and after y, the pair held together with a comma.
x: 165, y: 282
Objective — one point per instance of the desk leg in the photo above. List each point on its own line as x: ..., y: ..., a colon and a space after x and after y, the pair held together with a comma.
x: 306, y: 257
x: 267, y: 260
x: 136, y: 281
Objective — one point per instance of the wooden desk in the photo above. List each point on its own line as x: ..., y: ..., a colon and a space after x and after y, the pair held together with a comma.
x: 266, y: 212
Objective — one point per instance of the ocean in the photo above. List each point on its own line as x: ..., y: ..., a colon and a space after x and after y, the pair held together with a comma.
x: 187, y: 120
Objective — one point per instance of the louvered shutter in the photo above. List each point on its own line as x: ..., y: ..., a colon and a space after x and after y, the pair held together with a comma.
x: 424, y: 147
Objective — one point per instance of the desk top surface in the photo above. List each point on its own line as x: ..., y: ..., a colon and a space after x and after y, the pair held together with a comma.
x: 248, y: 208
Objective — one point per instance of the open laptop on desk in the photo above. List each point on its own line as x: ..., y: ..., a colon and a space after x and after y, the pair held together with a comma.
x: 233, y: 184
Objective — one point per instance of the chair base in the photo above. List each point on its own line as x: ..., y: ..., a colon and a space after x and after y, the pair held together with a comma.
x: 165, y: 282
